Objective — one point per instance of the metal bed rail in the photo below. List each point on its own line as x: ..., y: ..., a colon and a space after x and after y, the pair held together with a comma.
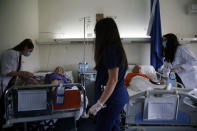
x: 55, y: 114
x: 163, y: 92
x: 180, y: 93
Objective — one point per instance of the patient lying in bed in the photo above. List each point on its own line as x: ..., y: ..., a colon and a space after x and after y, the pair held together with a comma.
x: 57, y: 76
x: 141, y: 79
x: 137, y: 71
x: 52, y: 78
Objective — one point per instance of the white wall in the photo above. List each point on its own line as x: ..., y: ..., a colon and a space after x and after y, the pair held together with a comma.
x: 61, y: 18
x: 175, y: 19
x: 19, y: 20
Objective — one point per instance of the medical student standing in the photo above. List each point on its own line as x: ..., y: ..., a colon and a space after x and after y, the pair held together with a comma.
x: 11, y: 63
x: 179, y: 59
x: 111, y: 65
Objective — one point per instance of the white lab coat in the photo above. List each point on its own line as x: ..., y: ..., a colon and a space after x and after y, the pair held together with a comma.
x: 187, y: 60
x: 9, y: 62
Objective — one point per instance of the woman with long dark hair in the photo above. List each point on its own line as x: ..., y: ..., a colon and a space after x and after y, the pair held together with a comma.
x: 111, y: 64
x: 11, y: 63
x: 179, y: 59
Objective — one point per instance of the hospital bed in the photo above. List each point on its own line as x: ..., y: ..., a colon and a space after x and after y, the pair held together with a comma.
x: 29, y: 103
x: 155, y: 109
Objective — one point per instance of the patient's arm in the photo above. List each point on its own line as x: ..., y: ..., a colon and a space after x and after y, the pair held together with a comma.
x: 55, y: 81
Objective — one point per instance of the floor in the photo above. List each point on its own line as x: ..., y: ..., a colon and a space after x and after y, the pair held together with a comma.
x: 60, y: 125
x: 86, y: 125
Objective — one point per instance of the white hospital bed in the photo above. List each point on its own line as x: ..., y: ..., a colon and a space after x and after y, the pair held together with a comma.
x: 169, y: 110
x: 154, y: 107
x: 20, y: 113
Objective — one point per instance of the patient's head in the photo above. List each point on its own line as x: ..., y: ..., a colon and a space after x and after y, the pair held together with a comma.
x: 137, y: 69
x: 59, y: 70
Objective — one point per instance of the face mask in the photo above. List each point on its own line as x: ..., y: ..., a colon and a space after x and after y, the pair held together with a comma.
x: 27, y: 54
x: 164, y: 44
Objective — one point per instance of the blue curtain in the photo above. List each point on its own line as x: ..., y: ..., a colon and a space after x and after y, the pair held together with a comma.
x: 156, y: 36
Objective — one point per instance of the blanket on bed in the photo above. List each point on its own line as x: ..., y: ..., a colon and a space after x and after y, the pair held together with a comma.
x: 131, y: 75
x: 54, y: 76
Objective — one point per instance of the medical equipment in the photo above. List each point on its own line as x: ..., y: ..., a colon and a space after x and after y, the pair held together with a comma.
x: 31, y: 102
x: 87, y: 79
x: 83, y: 67
x: 60, y: 93
x: 151, y: 110
x: 20, y: 109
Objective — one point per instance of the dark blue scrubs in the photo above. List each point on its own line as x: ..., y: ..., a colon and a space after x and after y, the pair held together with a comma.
x: 108, y: 118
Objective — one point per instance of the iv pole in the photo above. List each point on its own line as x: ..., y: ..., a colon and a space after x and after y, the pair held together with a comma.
x: 86, y: 20
x: 84, y: 42
x: 84, y: 59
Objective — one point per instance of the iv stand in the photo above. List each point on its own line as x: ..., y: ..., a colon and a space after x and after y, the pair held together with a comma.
x: 84, y: 60
x: 85, y: 21
x: 84, y: 41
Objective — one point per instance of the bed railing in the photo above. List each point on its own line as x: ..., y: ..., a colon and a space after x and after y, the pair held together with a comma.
x: 49, y: 86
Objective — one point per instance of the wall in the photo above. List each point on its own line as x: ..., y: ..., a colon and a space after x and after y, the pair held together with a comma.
x: 19, y: 20
x: 61, y: 18
x: 175, y: 19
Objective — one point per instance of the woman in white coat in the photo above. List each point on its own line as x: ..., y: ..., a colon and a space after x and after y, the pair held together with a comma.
x: 10, y: 65
x: 11, y: 62
x: 179, y: 59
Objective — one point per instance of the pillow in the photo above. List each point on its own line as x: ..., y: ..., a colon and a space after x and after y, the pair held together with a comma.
x: 69, y: 75
x: 149, y: 71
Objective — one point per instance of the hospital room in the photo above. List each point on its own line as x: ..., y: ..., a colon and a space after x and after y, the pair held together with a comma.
x: 98, y: 65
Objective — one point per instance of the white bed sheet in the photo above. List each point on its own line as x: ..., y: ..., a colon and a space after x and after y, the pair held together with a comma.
x: 139, y: 84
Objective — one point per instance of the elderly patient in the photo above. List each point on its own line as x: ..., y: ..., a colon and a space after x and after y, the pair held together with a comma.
x: 57, y: 76
x: 52, y: 78
x: 137, y: 71
x: 140, y: 79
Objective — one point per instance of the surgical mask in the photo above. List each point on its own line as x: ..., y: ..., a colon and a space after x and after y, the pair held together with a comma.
x: 27, y: 54
x: 164, y: 43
